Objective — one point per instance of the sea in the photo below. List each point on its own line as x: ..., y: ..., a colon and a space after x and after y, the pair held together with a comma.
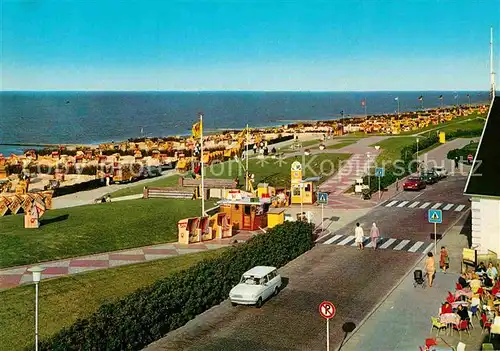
x: 94, y: 117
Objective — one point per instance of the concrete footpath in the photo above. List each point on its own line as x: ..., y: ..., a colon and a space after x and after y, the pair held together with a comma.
x: 403, y: 319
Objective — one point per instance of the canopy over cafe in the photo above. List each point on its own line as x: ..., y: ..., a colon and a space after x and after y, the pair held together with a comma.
x: 302, y: 190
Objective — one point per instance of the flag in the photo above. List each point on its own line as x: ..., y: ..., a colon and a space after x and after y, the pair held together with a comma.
x: 396, y: 98
x: 363, y: 102
x: 440, y: 97
x: 420, y: 98
x: 197, y: 129
x: 468, y: 95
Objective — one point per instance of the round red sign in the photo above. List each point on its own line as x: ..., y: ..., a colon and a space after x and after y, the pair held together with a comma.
x: 327, y: 309
x: 469, y: 157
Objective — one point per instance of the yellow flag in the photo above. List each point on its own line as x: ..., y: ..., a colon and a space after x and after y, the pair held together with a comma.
x: 197, y: 127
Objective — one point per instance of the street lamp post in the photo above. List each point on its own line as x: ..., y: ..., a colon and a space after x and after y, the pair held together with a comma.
x: 37, y: 275
x: 368, y: 166
x: 377, y: 147
x: 417, y: 150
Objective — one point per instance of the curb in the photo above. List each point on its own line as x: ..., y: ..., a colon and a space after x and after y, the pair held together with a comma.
x: 400, y: 281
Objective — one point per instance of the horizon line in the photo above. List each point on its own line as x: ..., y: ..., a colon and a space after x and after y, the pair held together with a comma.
x: 236, y: 91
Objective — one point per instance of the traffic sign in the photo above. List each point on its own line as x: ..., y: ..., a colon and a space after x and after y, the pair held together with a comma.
x: 323, y: 198
x: 327, y: 309
x: 470, y: 158
x: 379, y: 172
x: 435, y: 216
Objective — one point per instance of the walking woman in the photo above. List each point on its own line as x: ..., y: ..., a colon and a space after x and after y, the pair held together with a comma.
x: 444, y: 259
x: 359, y: 236
x: 430, y: 268
x: 375, y: 234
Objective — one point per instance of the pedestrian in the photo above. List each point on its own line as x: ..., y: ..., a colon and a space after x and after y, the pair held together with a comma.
x: 375, y: 234
x: 397, y: 184
x: 430, y: 268
x: 359, y: 236
x: 444, y: 259
x: 456, y: 161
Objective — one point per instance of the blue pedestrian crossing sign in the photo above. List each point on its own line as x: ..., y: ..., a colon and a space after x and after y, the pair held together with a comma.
x: 379, y: 172
x: 322, y: 198
x: 435, y: 216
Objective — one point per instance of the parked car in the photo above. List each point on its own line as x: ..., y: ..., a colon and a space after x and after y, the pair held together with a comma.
x: 440, y: 171
x: 429, y: 177
x: 414, y: 183
x: 256, y: 286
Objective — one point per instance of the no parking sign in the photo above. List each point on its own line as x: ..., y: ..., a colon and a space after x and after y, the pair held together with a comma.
x: 327, y: 310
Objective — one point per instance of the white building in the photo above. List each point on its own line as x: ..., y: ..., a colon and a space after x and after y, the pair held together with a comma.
x: 483, y: 185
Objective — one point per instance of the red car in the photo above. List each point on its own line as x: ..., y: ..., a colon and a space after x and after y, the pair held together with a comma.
x: 414, y: 183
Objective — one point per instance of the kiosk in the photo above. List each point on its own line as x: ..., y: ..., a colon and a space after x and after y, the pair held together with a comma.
x: 247, y: 213
x: 302, y: 191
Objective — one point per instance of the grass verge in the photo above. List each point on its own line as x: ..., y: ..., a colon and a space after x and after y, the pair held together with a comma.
x: 85, y: 230
x: 276, y: 172
x: 64, y: 300
x: 341, y: 144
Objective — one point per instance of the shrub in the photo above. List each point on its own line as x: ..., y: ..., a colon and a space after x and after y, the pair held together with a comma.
x: 149, y: 313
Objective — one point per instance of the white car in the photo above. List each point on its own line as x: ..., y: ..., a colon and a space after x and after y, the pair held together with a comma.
x: 440, y: 171
x: 256, y: 286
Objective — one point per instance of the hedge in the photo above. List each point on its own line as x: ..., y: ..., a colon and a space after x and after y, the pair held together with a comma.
x: 149, y: 313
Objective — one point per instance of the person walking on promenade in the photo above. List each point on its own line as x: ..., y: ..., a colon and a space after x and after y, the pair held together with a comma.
x: 430, y: 268
x: 397, y: 184
x: 444, y: 259
x: 375, y: 234
x: 359, y: 236
x: 456, y: 162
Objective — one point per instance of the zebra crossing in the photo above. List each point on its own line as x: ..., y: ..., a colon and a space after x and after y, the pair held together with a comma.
x: 424, y: 205
x: 383, y: 243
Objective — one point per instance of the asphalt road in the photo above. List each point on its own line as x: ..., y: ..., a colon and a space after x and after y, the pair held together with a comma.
x: 355, y: 281
x: 411, y: 223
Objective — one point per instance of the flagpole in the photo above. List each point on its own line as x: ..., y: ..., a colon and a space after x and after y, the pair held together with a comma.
x: 202, y: 172
x: 246, y: 158
x: 366, y: 115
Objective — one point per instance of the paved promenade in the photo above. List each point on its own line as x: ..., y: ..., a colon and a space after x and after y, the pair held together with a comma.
x: 15, y: 276
x: 405, y: 313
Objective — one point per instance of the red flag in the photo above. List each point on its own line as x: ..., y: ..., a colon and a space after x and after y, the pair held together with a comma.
x: 363, y: 102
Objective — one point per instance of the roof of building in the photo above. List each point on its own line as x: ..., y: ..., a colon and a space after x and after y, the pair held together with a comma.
x: 484, y: 177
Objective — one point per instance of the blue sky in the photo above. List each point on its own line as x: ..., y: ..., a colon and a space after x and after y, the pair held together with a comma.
x: 309, y: 45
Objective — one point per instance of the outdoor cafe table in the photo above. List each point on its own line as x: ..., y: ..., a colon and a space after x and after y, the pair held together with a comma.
x: 467, y: 293
x: 449, y: 319
x: 457, y: 303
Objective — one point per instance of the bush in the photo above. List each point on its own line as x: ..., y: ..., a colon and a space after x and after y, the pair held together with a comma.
x: 149, y: 313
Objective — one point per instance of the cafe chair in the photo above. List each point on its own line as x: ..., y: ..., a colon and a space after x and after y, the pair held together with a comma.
x: 486, y: 324
x: 461, y: 346
x: 461, y: 326
x: 458, y: 286
x: 437, y: 324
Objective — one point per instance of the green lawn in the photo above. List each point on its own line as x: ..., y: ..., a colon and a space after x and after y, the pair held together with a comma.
x: 391, y: 148
x: 92, y: 229
x: 341, y: 144
x: 276, y: 172
x: 455, y: 122
x: 64, y: 300
x: 171, y: 181
x: 477, y: 123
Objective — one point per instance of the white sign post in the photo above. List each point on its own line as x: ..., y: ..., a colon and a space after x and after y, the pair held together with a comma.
x: 323, y: 200
x: 327, y: 311
x: 435, y: 216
